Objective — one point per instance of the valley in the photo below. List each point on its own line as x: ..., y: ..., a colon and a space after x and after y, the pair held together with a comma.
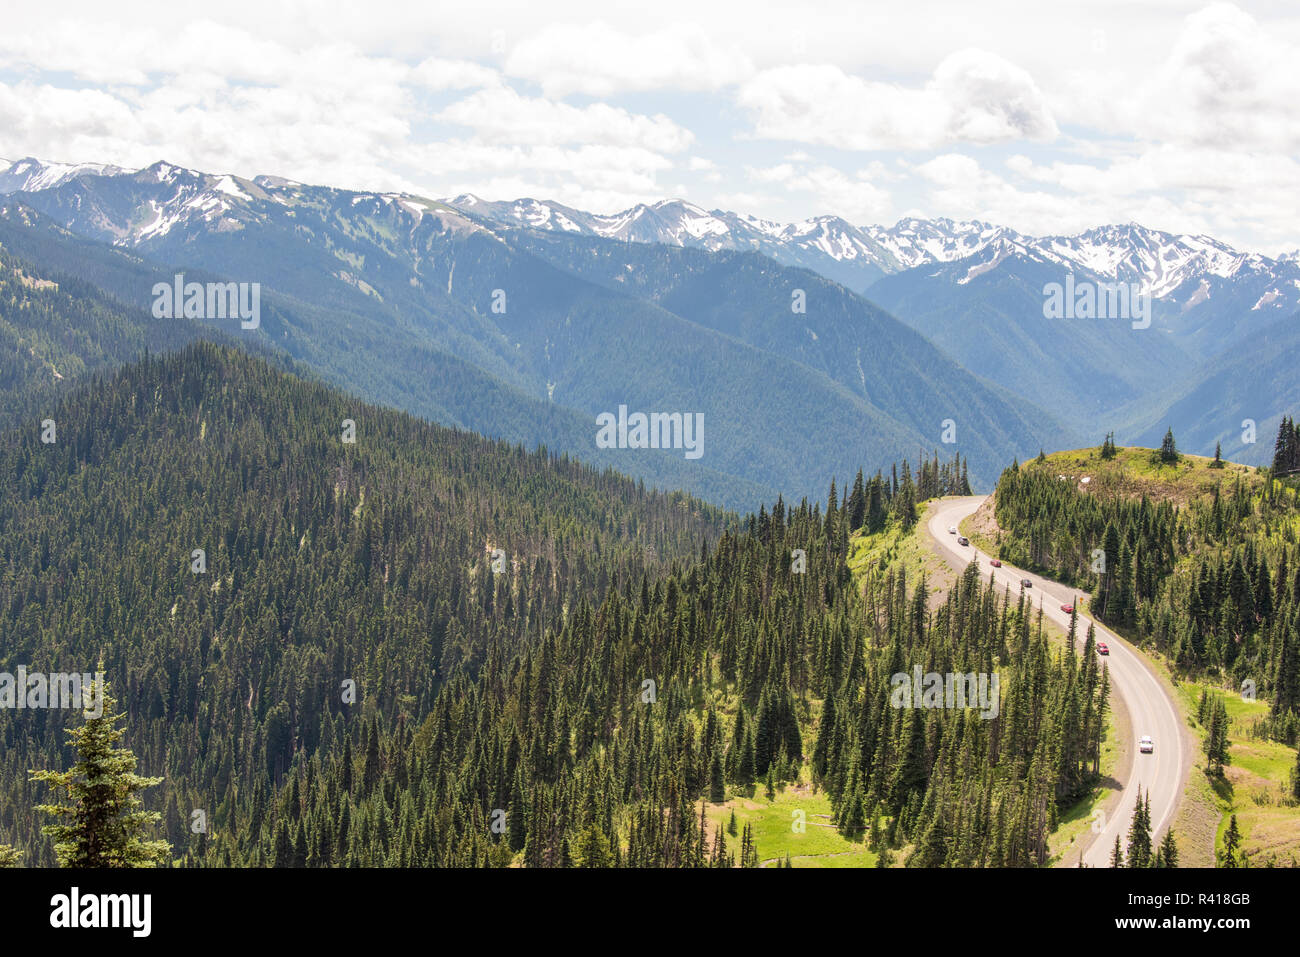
x: 503, y: 596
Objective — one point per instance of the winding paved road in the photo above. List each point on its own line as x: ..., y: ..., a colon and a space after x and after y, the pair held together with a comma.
x: 1150, y: 706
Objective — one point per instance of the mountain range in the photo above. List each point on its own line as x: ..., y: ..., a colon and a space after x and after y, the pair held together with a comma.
x: 413, y: 303
x: 977, y: 290
x: 811, y: 349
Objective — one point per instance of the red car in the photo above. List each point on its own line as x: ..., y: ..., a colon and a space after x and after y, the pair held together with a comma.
x: 1102, y: 649
x: 1068, y: 609
x: 995, y: 563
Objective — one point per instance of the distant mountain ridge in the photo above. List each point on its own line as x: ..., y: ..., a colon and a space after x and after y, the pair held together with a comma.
x: 1177, y: 267
x: 974, y: 289
x: 395, y: 299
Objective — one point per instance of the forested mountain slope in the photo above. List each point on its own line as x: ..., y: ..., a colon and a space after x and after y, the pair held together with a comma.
x: 52, y: 333
x: 796, y: 314
x: 1200, y: 561
x: 325, y: 561
x: 517, y: 690
x: 1251, y: 380
x: 373, y: 287
x: 376, y: 357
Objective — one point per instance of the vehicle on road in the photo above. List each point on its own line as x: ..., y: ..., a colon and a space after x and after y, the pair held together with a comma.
x: 995, y: 563
x: 1102, y: 648
x: 1026, y: 583
x: 1068, y: 609
x: 952, y: 529
x: 963, y: 540
x: 1145, y: 744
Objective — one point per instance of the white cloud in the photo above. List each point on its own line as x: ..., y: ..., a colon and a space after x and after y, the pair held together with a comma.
x: 437, y: 74
x: 962, y: 189
x: 503, y: 116
x: 973, y: 97
x: 855, y: 197
x: 1227, y: 83
x: 1178, y: 121
x: 600, y: 60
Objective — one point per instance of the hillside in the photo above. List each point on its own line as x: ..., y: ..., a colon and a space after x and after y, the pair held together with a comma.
x: 987, y: 311
x: 621, y: 664
x: 1251, y: 379
x: 371, y: 289
x: 1135, y: 472
x: 55, y: 331
x: 864, y: 350
x: 1201, y: 566
x: 377, y: 357
x: 323, y: 562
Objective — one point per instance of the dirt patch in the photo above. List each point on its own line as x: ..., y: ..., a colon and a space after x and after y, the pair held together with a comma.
x: 981, y: 527
x: 33, y: 282
x: 1196, y: 826
x: 940, y: 575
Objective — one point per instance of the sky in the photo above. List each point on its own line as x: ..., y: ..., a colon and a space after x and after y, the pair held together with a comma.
x: 1046, y: 117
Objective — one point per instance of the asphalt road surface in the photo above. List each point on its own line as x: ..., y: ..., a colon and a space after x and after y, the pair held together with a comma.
x: 1151, y: 709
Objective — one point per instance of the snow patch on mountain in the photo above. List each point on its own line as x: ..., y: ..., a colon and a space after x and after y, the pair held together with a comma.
x: 1180, y: 268
x: 29, y: 175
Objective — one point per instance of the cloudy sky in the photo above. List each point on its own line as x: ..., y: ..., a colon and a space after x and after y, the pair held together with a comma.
x: 1047, y: 117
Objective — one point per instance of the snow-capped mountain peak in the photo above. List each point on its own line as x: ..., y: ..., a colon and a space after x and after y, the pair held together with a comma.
x: 1183, y: 268
x: 30, y: 174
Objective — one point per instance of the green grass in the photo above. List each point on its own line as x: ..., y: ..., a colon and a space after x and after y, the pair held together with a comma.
x: 1254, y: 783
x: 1136, y: 471
x: 774, y: 833
x: 899, y: 548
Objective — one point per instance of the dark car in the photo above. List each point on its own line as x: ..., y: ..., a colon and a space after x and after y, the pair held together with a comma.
x: 995, y: 563
x: 1025, y: 582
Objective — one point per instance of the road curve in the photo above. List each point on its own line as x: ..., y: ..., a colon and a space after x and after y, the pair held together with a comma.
x: 1150, y: 706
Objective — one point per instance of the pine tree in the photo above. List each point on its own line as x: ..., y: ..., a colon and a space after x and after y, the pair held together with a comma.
x: 1167, y: 855
x: 717, y: 782
x: 1139, y: 833
x: 1286, y: 452
x: 1169, y: 449
x: 594, y: 848
x: 1117, y: 854
x: 371, y: 772
x: 102, y: 820
x: 300, y: 845
x: 8, y: 856
x: 1216, y: 737
x: 853, y: 822
x: 282, y: 855
x: 517, y: 817
x: 1231, y: 845
x: 857, y: 504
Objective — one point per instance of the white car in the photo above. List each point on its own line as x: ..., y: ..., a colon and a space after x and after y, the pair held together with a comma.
x: 1145, y: 744
x: 952, y: 529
